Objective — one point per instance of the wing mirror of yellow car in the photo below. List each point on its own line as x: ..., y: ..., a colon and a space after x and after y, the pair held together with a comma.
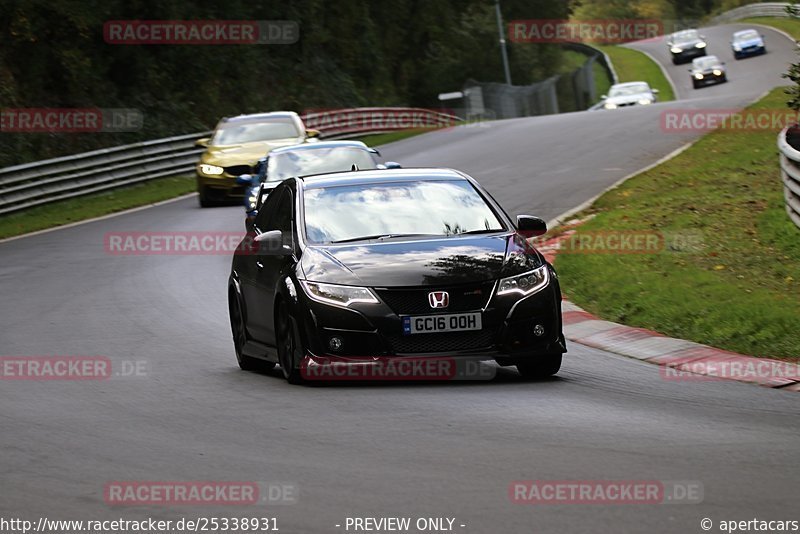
x: 310, y: 133
x: 202, y: 143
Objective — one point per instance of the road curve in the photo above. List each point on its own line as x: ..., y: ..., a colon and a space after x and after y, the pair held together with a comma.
x: 433, y: 450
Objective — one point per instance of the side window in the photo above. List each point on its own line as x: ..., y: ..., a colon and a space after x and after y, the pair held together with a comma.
x: 282, y: 215
x: 265, y: 212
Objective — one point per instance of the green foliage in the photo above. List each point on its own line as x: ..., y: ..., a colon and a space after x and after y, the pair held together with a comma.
x: 350, y: 53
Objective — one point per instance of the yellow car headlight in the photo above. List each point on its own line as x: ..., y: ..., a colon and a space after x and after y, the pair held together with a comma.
x: 211, y: 170
x: 717, y: 72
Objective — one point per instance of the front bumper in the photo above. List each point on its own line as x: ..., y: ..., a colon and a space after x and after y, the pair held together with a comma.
x: 750, y: 51
x: 221, y: 188
x: 709, y: 79
x: 376, y: 330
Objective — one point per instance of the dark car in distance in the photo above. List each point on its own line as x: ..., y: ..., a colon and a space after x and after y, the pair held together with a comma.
x: 708, y: 70
x: 685, y: 45
x: 399, y: 263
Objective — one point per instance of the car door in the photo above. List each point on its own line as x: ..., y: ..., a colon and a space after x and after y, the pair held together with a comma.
x: 251, y: 265
x: 271, y: 268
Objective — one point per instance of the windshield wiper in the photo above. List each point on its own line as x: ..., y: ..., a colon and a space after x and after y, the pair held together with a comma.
x: 379, y: 237
x: 482, y: 231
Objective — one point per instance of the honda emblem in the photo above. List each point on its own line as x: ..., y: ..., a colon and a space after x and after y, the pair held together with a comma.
x: 438, y: 299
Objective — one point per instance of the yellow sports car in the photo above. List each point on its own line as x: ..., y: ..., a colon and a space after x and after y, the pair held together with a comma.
x: 235, y: 147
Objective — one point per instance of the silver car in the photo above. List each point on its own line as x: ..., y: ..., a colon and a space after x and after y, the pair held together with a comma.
x: 629, y: 94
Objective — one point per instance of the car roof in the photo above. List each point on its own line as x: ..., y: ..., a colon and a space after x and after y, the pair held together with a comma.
x: 685, y: 32
x: 316, y: 181
x: 262, y: 116
x: 321, y: 144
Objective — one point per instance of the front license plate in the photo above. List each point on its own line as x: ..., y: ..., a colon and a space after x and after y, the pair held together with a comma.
x: 456, y: 322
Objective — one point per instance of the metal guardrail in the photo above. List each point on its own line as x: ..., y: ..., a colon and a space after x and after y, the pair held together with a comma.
x: 41, y: 182
x: 790, y: 173
x: 764, y: 9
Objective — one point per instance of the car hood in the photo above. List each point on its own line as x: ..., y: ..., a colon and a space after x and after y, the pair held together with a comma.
x: 748, y: 42
x: 627, y: 99
x: 688, y: 44
x: 706, y: 70
x: 426, y: 262
x: 245, y: 153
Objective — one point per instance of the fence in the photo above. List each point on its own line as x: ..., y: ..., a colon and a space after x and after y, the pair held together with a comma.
x: 765, y: 9
x: 566, y: 92
x: 41, y: 182
x: 790, y: 173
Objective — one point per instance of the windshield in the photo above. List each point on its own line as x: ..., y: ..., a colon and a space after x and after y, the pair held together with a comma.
x: 684, y: 36
x: 237, y: 132
x: 706, y: 62
x: 746, y: 35
x: 349, y: 212
x: 627, y: 90
x: 305, y: 161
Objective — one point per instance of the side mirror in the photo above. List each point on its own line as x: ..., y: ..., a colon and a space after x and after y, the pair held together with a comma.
x: 603, y: 97
x: 271, y: 244
x: 393, y: 165
x: 202, y: 143
x: 312, y: 133
x: 530, y: 226
x: 654, y: 91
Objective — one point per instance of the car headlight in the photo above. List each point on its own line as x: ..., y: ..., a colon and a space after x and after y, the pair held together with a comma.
x: 525, y: 283
x: 645, y: 102
x: 252, y: 200
x: 211, y: 170
x: 737, y: 48
x: 338, y: 295
x: 700, y: 45
x: 699, y: 75
x: 717, y: 72
x: 610, y: 106
x: 676, y: 50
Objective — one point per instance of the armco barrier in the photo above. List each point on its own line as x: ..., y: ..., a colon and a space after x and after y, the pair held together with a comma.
x: 41, y: 182
x: 764, y: 9
x: 790, y: 172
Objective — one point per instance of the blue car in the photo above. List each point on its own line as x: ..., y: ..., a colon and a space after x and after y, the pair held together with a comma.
x: 747, y: 43
x: 304, y: 160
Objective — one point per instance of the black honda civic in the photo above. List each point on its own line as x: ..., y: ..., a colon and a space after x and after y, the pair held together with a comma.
x: 393, y: 264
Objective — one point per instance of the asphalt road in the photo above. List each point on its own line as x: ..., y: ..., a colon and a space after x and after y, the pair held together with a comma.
x: 432, y: 450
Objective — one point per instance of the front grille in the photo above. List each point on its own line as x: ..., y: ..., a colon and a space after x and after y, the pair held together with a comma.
x: 236, y: 170
x: 463, y: 298
x: 447, y: 342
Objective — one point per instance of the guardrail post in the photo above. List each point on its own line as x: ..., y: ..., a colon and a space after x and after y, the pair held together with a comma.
x: 790, y: 175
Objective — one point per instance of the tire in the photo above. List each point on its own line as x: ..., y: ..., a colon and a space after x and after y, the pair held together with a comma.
x: 540, y: 367
x: 694, y: 84
x: 289, y: 345
x: 246, y: 363
x: 205, y: 202
x: 675, y: 60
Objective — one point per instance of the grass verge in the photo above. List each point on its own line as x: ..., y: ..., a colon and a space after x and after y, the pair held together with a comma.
x: 634, y: 66
x: 79, y: 209
x: 790, y: 26
x: 729, y: 273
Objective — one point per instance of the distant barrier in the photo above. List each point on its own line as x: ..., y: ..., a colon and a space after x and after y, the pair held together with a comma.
x: 764, y: 9
x: 790, y: 173
x: 41, y: 182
